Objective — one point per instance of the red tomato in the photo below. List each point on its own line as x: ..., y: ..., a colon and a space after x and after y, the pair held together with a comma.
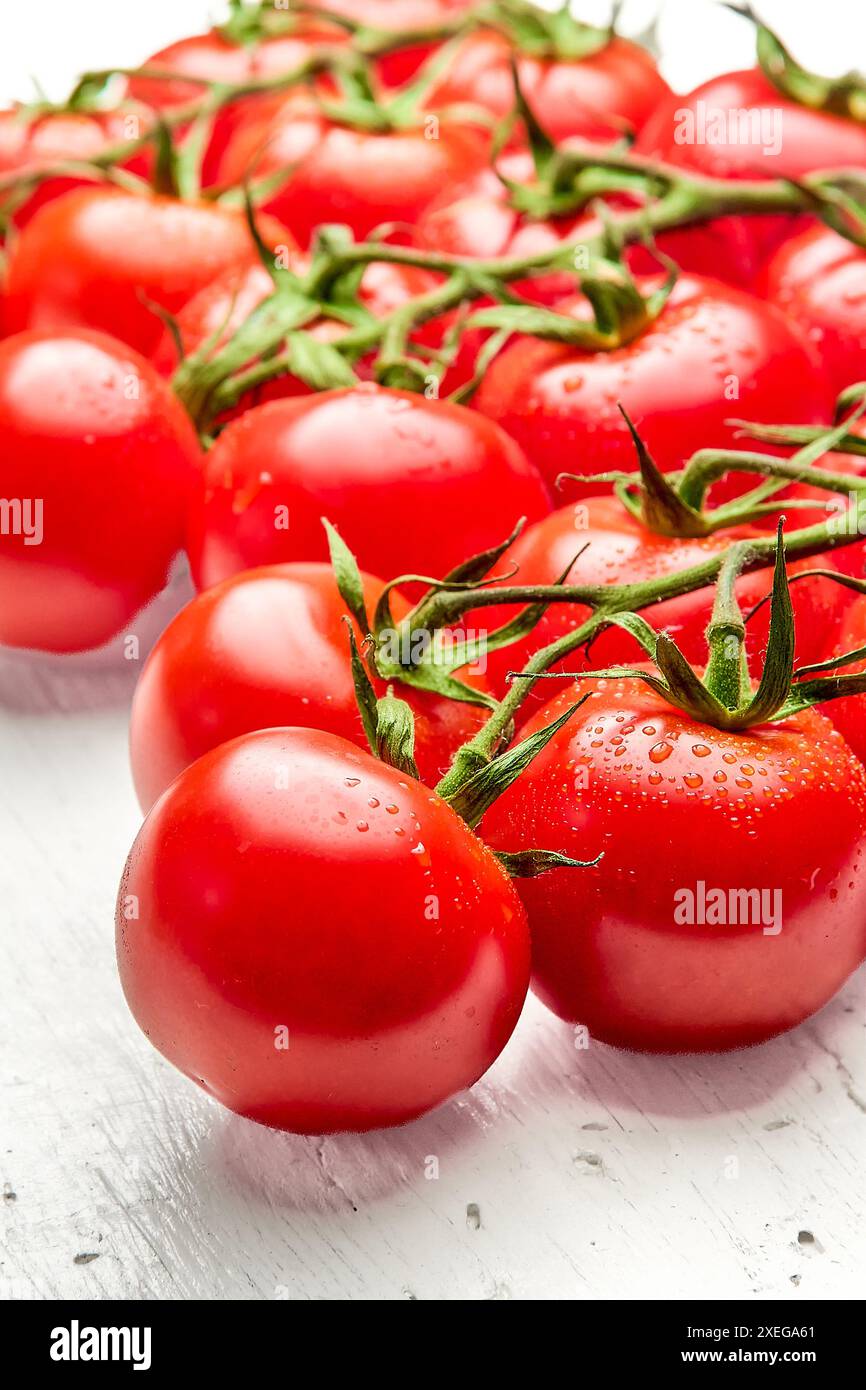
x: 402, y: 17
x: 269, y: 647
x: 97, y: 451
x: 848, y: 715
x: 713, y: 354
x: 739, y: 126
x: 316, y: 940
x: 682, y: 811
x: 622, y: 551
x: 481, y: 223
x: 221, y: 307
x: 216, y: 58
x: 412, y: 485
x: 100, y: 257
x: 597, y: 97
x: 819, y: 280
x: 29, y: 144
x: 358, y: 177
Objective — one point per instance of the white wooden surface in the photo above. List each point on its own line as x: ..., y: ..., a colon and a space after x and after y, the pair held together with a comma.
x: 564, y: 1174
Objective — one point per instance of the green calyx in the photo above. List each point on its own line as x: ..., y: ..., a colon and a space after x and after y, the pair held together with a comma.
x: 725, y: 697
x: 388, y: 721
x: 674, y: 504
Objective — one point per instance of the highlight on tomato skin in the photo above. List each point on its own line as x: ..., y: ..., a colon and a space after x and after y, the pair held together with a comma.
x: 269, y: 647
x: 92, y: 439
x: 819, y: 280
x: 714, y: 353
x: 617, y: 548
x: 101, y: 257
x: 773, y: 820
x: 412, y: 485
x: 315, y: 939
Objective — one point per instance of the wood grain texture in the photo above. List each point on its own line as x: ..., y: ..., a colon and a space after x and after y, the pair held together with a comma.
x: 565, y: 1174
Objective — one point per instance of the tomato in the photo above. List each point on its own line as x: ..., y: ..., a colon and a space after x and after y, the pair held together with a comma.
x: 680, y: 811
x: 316, y: 940
x: 597, y: 97
x: 714, y: 353
x: 620, y: 550
x: 402, y: 17
x: 269, y: 647
x: 96, y: 462
x: 216, y: 58
x: 101, y: 258
x: 848, y: 715
x: 221, y: 307
x: 704, y: 131
x: 358, y: 177
x: 412, y: 485
x: 819, y: 280
x: 481, y: 223
x: 30, y: 143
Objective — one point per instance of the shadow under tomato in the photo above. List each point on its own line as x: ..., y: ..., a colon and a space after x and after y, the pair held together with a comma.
x: 35, y: 682
x: 689, y: 1086
x: 342, y: 1172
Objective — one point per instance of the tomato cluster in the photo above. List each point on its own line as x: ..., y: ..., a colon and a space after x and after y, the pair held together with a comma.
x: 387, y: 267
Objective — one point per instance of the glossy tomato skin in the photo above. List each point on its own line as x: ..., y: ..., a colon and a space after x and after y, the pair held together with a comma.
x: 786, y: 140
x: 620, y: 550
x: 713, y: 354
x: 599, y: 97
x: 676, y: 805
x: 482, y: 223
x: 29, y: 144
x: 269, y: 647
x: 848, y: 714
x: 819, y: 280
x: 364, y: 179
x: 216, y: 58
x: 412, y: 485
x: 218, y: 310
x: 289, y: 885
x: 95, y: 258
x: 90, y: 433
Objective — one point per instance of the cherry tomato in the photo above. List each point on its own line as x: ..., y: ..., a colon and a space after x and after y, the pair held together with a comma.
x: 216, y: 58
x: 848, y: 715
x: 316, y: 940
x: 412, y: 485
x: 361, y: 178
x: 598, y: 97
x: 739, y: 126
x: 102, y: 257
x: 269, y: 647
x: 402, y: 17
x: 713, y: 354
x: 819, y: 280
x: 30, y: 143
x: 97, y: 459
x: 220, y: 308
x: 622, y: 551
x: 636, y: 949
x: 482, y: 223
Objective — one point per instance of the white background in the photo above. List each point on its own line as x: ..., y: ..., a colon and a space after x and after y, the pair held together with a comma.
x: 595, y: 1174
